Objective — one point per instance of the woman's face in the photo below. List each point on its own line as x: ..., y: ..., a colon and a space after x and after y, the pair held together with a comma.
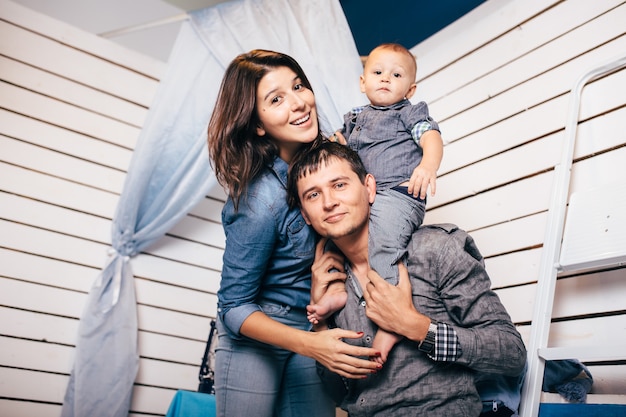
x: 286, y: 110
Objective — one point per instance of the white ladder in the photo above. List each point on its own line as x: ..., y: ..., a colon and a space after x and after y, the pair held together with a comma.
x: 603, y: 220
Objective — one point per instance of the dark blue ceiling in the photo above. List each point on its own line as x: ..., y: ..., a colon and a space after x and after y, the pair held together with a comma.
x: 407, y: 22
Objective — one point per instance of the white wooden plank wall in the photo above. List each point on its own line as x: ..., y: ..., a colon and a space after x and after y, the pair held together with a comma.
x: 498, y: 81
x: 71, y: 108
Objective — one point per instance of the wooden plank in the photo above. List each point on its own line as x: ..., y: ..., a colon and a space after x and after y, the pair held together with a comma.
x: 32, y: 385
x: 60, y: 165
x: 524, y: 38
x: 595, y: 172
x: 79, y: 39
x: 582, y: 295
x: 172, y: 323
x: 28, y: 409
x: 56, y: 191
x: 46, y: 328
x: 151, y: 400
x: 465, y: 35
x: 187, y: 251
x: 65, y: 141
x: 548, y: 85
x: 201, y: 230
x: 609, y: 380
x: 68, y: 91
x: 53, y: 245
x: 177, y: 273
x: 594, y: 136
x: 68, y: 116
x: 168, y: 375
x: 502, y: 204
x: 34, y: 355
x: 42, y: 299
x: 547, y: 71
x: 83, y: 67
x: 175, y: 298
x: 58, y: 219
x: 209, y: 209
x: 46, y: 244
x: 529, y: 125
x: 526, y: 232
x: 514, y: 268
x: 160, y: 346
x: 46, y: 271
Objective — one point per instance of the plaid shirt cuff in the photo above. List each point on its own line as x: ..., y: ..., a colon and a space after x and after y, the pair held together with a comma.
x: 447, y: 346
x: 419, y: 129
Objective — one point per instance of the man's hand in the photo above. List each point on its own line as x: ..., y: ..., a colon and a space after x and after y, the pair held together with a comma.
x: 392, y: 309
x: 327, y: 267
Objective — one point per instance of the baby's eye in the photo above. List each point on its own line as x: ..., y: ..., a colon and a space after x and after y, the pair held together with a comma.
x: 378, y: 72
x: 397, y: 75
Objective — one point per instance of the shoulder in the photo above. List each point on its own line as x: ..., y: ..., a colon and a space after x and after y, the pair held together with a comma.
x: 443, y: 238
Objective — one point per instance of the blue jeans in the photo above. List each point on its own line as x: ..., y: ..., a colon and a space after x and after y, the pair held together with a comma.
x: 256, y: 379
x: 394, y: 217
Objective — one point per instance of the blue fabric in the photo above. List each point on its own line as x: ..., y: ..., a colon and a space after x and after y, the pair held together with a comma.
x: 170, y: 170
x: 269, y: 252
x: 394, y: 217
x: 255, y: 379
x: 191, y: 404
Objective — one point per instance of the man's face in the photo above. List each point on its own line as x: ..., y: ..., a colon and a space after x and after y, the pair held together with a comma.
x: 334, y: 201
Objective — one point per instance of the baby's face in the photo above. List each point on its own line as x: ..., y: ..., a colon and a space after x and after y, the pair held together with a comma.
x: 388, y: 77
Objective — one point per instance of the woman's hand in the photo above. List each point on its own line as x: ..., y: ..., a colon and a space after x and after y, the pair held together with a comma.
x: 327, y: 348
x: 327, y: 267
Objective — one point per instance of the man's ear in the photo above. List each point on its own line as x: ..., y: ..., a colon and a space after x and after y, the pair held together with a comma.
x: 370, y: 184
x: 305, y: 217
x: 259, y: 130
x: 411, y: 91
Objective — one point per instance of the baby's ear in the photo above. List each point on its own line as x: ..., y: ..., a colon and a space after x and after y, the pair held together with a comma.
x: 411, y: 91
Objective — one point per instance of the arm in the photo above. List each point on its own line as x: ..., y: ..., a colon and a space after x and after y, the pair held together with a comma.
x: 425, y: 174
x: 487, y: 338
x: 325, y: 346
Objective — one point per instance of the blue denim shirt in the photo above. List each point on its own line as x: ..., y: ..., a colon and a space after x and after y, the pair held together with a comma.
x: 449, y: 284
x: 269, y: 251
x: 383, y: 138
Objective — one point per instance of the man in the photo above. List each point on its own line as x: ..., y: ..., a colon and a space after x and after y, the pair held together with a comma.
x: 452, y: 324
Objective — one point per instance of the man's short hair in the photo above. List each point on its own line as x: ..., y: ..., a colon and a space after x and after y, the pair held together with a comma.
x: 315, y: 158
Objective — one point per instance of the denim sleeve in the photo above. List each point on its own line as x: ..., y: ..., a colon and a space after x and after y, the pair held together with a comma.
x: 417, y: 120
x: 250, y: 237
x: 488, y: 338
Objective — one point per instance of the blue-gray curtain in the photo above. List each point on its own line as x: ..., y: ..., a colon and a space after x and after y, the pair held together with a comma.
x: 170, y: 170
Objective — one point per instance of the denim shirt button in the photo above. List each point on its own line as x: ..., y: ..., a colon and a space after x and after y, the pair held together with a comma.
x: 363, y: 303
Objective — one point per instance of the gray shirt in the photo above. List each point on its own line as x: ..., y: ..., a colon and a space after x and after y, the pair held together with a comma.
x: 450, y: 285
x: 387, y: 139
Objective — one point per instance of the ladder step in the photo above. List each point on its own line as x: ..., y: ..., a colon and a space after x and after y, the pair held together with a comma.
x: 584, y: 353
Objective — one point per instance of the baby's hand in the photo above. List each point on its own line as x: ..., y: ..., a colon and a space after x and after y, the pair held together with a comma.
x: 421, y: 179
x: 338, y: 137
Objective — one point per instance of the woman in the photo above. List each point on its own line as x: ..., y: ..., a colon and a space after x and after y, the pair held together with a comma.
x: 265, y: 359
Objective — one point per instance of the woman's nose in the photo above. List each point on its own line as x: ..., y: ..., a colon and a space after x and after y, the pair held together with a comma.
x: 296, y: 102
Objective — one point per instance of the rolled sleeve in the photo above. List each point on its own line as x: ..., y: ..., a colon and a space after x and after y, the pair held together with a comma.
x: 250, y: 237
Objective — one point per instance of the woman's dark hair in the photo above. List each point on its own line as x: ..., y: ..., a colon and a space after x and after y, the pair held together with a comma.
x: 236, y: 152
x: 315, y: 158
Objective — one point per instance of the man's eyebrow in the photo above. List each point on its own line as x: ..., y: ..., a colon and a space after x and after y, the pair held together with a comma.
x: 331, y: 181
